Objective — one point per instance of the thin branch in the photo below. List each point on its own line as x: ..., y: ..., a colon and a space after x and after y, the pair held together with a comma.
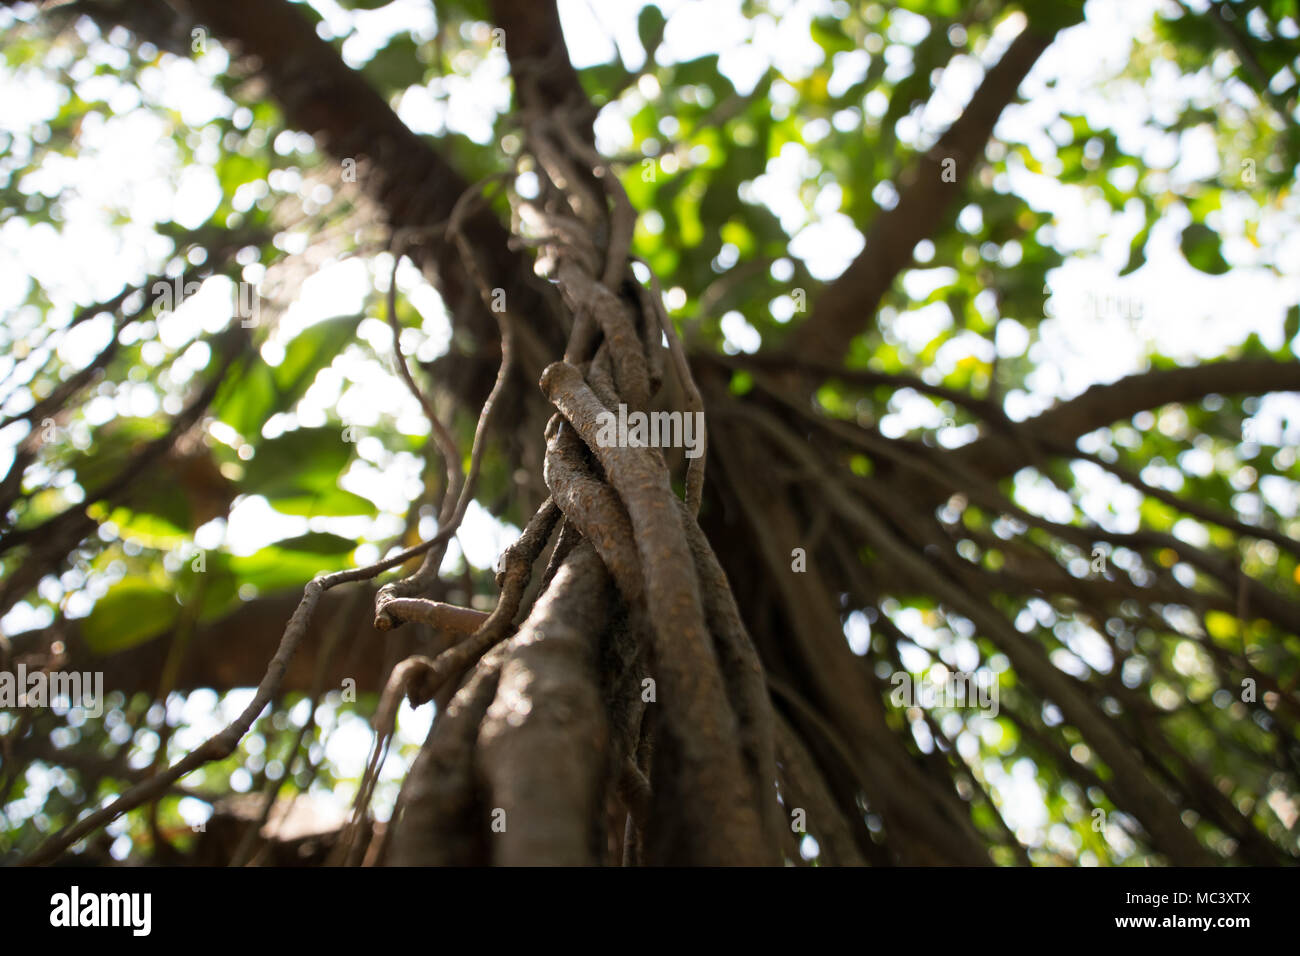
x: 1102, y: 405
x: 441, y: 436
x: 222, y: 744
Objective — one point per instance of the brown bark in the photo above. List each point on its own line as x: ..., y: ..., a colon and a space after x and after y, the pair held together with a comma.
x: 232, y: 651
x: 543, y: 745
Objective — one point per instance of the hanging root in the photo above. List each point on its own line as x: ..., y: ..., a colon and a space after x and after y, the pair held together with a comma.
x: 805, y: 788
x: 543, y: 745
x: 404, y: 679
x: 743, y: 673
x: 516, y: 567
x: 706, y: 813
x: 420, y: 677
x: 443, y: 822
x: 634, y: 637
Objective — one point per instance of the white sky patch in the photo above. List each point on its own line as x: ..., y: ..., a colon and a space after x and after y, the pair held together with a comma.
x: 339, y: 288
x: 857, y: 629
x: 698, y: 29
x: 85, y: 341
x: 847, y: 68
x: 422, y: 111
x: 778, y: 188
x: 186, y: 86
x: 436, y: 327
x: 957, y: 82
x: 1039, y: 496
x: 738, y: 334
x: 348, y: 746
x: 828, y: 246
x: 787, y: 42
x: 392, y: 484
x: 482, y: 537
x: 30, y: 98
x: 963, y: 346
x: 197, y: 197
x: 473, y: 102
x: 909, y: 411
x: 253, y: 524
x: 1089, y: 645
x: 373, y: 28
x: 1020, y: 798
x: 918, y: 327
x: 588, y: 29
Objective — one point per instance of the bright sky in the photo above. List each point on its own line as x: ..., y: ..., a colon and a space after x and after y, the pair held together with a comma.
x: 1167, y: 304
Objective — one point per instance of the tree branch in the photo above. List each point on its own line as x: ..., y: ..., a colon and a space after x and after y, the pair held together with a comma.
x: 847, y: 305
x: 997, y: 455
x: 412, y: 183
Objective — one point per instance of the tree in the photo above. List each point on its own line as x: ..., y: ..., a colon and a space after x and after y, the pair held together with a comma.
x: 851, y: 630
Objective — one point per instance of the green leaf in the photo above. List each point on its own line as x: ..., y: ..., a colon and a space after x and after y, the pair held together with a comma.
x: 150, y: 524
x: 600, y: 79
x: 250, y: 396
x: 113, y: 445
x: 303, y: 460
x: 318, y: 542
x: 828, y: 33
x: 332, y: 502
x: 131, y: 612
x: 1052, y: 15
x: 1137, y: 254
x: 247, y: 398
x: 275, y: 569
x: 397, y: 66
x: 741, y: 382
x: 314, y: 349
x: 650, y: 28
x: 298, y: 473
x: 1200, y: 245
